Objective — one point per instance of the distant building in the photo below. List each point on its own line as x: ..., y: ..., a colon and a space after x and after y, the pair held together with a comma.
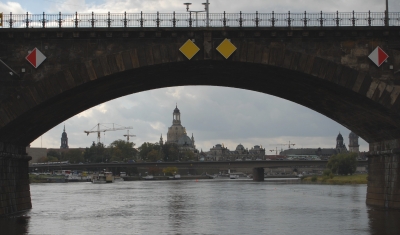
x: 177, y: 134
x: 353, y: 143
x: 222, y: 153
x: 316, y: 153
x: 340, y: 146
x: 64, y: 140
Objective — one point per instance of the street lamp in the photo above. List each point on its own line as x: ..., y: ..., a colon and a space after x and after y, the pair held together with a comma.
x: 387, y: 13
x: 206, y: 9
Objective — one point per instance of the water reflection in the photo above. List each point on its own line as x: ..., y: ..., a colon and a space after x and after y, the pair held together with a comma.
x: 384, y: 222
x: 15, y: 225
x: 204, y: 207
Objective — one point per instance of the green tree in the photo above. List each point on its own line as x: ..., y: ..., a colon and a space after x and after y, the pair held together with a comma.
x: 187, y: 155
x: 97, y: 153
x: 343, y: 163
x: 153, y: 170
x: 153, y: 156
x: 54, y: 154
x: 121, y: 150
x: 147, y: 147
x: 170, y: 170
x: 170, y: 152
x: 74, y: 156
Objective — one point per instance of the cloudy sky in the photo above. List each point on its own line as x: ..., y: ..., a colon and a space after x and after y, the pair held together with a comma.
x: 213, y: 114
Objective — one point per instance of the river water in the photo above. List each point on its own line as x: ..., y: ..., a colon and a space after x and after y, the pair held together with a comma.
x: 201, y: 207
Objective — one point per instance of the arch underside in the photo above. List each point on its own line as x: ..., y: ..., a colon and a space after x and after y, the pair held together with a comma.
x: 370, y: 120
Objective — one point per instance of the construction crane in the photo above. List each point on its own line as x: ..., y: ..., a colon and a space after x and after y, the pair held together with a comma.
x: 128, y: 135
x: 291, y: 144
x: 104, y: 128
x: 276, y: 148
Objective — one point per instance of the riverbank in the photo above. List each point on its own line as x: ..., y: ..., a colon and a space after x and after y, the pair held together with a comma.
x: 46, y: 179
x: 338, y: 179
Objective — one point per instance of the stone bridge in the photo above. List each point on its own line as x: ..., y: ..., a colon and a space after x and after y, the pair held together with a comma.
x: 326, y: 69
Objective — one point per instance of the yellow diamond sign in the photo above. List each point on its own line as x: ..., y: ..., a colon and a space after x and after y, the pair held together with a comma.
x: 189, y: 49
x: 226, y: 48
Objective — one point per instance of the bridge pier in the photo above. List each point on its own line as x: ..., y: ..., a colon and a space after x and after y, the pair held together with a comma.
x: 384, y: 174
x: 15, y: 193
x: 258, y: 174
x: 384, y: 181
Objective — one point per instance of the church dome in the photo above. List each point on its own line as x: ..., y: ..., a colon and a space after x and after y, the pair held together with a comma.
x: 339, y: 137
x: 239, y: 147
x: 176, y: 110
x: 184, y: 140
x: 64, y: 135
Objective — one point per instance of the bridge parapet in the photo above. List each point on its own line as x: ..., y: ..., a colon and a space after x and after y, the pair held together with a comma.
x: 189, y: 19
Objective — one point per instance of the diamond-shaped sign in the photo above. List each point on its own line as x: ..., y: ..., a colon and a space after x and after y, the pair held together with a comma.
x: 35, y: 57
x: 189, y: 49
x: 378, y: 56
x: 226, y: 48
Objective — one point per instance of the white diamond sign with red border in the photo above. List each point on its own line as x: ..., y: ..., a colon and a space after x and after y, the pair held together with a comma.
x: 378, y: 56
x: 36, y: 57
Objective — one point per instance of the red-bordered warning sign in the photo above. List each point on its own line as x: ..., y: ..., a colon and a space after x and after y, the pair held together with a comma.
x: 36, y: 57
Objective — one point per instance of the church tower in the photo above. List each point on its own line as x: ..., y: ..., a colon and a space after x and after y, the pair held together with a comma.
x: 64, y: 140
x: 340, y: 146
x: 161, y: 141
x: 176, y: 131
x: 176, y: 116
x: 353, y: 143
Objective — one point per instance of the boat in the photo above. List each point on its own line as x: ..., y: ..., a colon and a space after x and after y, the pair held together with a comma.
x: 118, y: 179
x: 102, y: 178
x: 232, y: 176
x: 148, y: 177
x: 174, y: 177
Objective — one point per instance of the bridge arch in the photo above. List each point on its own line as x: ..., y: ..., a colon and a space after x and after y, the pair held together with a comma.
x: 346, y: 95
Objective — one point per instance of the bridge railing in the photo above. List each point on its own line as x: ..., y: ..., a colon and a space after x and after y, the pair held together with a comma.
x: 191, y: 19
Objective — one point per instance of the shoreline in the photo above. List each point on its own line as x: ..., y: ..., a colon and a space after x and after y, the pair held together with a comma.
x: 338, y: 179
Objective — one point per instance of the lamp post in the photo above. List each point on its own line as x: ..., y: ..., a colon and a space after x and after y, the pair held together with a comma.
x: 387, y: 13
x: 206, y: 9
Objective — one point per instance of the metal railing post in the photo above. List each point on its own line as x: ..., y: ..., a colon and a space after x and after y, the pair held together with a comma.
x: 369, y: 18
x: 174, y: 21
x: 59, y: 19
x: 125, y: 20
x: 224, y: 20
x: 190, y: 19
x: 76, y: 19
x: 27, y: 20
x: 158, y: 20
x: 108, y: 21
x: 240, y: 19
x: 305, y: 19
x: 141, y: 19
x: 337, y: 19
x: 273, y: 19
x: 257, y: 20
x: 321, y: 21
x: 44, y: 21
x: 92, y: 20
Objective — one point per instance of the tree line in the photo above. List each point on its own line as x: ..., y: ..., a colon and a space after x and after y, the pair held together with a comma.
x: 120, y: 151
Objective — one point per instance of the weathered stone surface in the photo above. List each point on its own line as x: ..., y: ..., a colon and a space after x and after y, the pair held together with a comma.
x: 14, y: 184
x: 332, y: 76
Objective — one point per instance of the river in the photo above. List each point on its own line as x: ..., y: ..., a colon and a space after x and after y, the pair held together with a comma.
x: 201, y: 207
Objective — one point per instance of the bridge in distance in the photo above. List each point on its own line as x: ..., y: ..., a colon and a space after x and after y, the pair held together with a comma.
x: 191, y: 165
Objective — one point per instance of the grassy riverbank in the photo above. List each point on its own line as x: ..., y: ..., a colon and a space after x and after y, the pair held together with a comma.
x: 338, y: 179
x: 44, y: 178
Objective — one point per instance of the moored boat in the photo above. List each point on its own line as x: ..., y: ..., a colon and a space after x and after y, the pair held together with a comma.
x: 232, y: 176
x: 148, y: 177
x: 102, y: 178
